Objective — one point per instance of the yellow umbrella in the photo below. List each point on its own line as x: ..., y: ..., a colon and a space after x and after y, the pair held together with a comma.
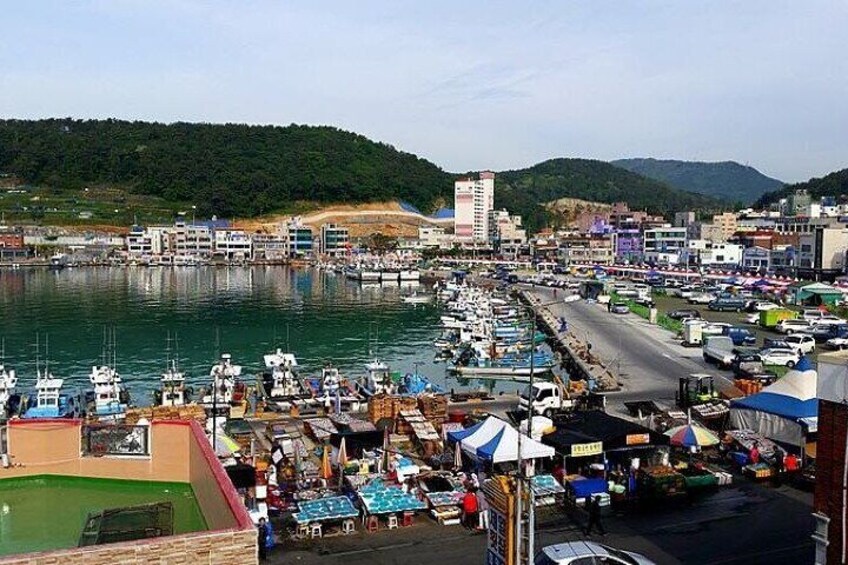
x: 326, y: 469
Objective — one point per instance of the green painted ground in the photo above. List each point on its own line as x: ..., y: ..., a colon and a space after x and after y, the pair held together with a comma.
x: 48, y: 512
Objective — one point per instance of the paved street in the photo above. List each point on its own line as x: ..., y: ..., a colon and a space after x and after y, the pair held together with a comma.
x: 742, y: 524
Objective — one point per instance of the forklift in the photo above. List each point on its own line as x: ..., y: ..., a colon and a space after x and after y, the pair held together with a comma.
x: 695, y: 389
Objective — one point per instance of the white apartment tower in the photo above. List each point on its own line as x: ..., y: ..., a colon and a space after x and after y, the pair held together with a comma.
x: 473, y: 200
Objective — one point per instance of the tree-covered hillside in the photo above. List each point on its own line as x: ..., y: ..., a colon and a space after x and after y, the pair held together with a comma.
x: 835, y: 184
x: 727, y: 180
x: 525, y: 190
x: 228, y: 170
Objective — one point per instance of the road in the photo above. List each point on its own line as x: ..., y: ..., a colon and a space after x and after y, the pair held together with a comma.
x: 646, y: 357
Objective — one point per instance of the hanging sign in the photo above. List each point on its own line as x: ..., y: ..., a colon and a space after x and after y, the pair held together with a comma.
x: 586, y: 449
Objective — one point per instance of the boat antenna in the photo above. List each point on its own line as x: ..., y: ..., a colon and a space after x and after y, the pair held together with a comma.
x: 218, y: 341
x: 2, y: 350
x: 46, y: 355
x: 37, y: 359
x: 288, y: 343
x: 168, y: 350
x: 176, y: 351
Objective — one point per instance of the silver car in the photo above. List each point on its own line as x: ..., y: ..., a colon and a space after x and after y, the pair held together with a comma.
x: 587, y: 552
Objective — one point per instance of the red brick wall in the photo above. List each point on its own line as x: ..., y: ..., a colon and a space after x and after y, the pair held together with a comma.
x: 830, y: 458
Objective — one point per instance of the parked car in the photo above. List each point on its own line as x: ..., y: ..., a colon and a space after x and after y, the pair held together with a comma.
x: 753, y: 319
x: 792, y: 326
x: 715, y: 328
x: 786, y: 357
x: 701, y: 298
x: 801, y: 342
x: 823, y: 332
x: 644, y: 300
x: 727, y: 304
x: 586, y: 552
x: 762, y: 306
x: 719, y: 349
x: 683, y: 313
x: 837, y: 342
x: 739, y: 336
x: 619, y: 308
x: 747, y: 365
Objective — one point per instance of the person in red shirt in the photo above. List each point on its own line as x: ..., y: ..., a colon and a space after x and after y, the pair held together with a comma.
x: 790, y: 463
x: 754, y: 454
x: 469, y: 509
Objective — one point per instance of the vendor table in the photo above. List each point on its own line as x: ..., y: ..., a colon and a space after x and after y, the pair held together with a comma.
x: 324, y: 509
x: 746, y: 439
x: 449, y: 498
x: 379, y: 499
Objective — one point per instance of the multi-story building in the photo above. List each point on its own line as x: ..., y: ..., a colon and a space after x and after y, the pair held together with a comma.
x: 589, y: 249
x: 233, y: 244
x: 192, y: 239
x: 726, y: 224
x: 269, y: 247
x: 139, y: 242
x: 432, y: 237
x: 473, y: 200
x: 335, y: 240
x: 721, y: 255
x: 783, y: 259
x: 505, y: 232
x: 298, y: 235
x: 822, y: 254
x: 665, y: 245
x: 683, y: 219
x: 756, y: 259
x: 628, y: 245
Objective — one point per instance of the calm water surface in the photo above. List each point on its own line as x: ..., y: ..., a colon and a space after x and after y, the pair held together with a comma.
x: 251, y: 309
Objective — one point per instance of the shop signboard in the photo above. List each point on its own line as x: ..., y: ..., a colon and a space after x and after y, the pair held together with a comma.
x: 638, y: 439
x: 587, y: 449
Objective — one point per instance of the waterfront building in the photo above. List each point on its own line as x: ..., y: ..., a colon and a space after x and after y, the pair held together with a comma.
x: 665, y: 245
x: 12, y: 244
x: 822, y: 254
x: 594, y: 249
x: 335, y: 240
x: 233, y: 244
x: 298, y: 235
x: 192, y: 239
x: 269, y: 246
x: 432, y: 237
x: 506, y: 235
x: 139, y: 242
x: 474, y: 199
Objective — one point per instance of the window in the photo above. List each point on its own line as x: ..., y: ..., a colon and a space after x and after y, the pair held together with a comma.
x: 806, y: 248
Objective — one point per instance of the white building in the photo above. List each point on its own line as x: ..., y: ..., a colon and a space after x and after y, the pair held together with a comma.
x: 192, y: 240
x: 505, y: 232
x: 139, y: 242
x: 432, y: 237
x: 717, y: 254
x: 473, y: 200
x: 335, y: 240
x: 664, y: 245
x: 233, y: 244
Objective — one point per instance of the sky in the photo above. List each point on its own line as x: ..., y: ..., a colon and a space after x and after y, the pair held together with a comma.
x: 468, y: 85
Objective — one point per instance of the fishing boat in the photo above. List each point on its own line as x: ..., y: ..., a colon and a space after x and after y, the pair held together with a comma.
x: 408, y: 275
x: 225, y: 388
x: 416, y: 298
x: 279, y: 379
x: 378, y: 379
x: 8, y: 381
x: 50, y: 401
x: 108, y: 399
x: 172, y: 391
x: 331, y: 390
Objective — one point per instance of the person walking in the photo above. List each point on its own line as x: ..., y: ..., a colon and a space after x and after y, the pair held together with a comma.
x: 262, y: 538
x: 483, y: 511
x: 594, y: 507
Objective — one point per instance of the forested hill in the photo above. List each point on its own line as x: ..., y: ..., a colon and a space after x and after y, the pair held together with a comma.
x: 228, y: 170
x: 525, y: 189
x: 727, y: 180
x: 835, y: 184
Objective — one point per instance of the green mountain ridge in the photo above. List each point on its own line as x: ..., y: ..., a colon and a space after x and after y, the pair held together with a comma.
x: 242, y: 170
x: 524, y: 190
x: 727, y: 180
x: 834, y: 184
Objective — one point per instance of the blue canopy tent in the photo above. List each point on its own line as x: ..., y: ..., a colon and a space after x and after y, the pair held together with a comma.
x: 495, y: 441
x: 785, y: 411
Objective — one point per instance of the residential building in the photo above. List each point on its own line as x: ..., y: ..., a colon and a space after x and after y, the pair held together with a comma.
x: 432, y: 237
x: 783, y: 259
x: 12, y: 245
x: 335, y: 240
x: 628, y: 245
x: 664, y: 245
x: 726, y: 225
x: 139, y: 242
x: 505, y: 233
x: 589, y: 249
x: 797, y: 203
x: 821, y: 254
x: 298, y: 235
x: 269, y: 247
x: 756, y: 259
x: 683, y: 219
x: 233, y: 244
x: 721, y: 255
x: 473, y: 200
x: 192, y: 239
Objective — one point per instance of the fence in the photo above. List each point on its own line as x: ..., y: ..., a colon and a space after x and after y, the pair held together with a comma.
x: 115, y: 439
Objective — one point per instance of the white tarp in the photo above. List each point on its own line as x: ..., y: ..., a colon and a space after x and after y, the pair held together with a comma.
x: 771, y: 426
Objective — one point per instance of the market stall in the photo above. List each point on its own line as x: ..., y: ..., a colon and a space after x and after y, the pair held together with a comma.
x: 495, y: 441
x: 379, y: 499
x: 786, y: 411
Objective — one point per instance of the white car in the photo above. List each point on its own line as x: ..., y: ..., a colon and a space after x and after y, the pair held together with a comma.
x: 715, y: 328
x: 587, y: 552
x: 780, y: 356
x: 763, y: 305
x: 701, y: 298
x: 803, y: 343
x: 792, y: 326
x: 837, y: 343
x: 753, y: 319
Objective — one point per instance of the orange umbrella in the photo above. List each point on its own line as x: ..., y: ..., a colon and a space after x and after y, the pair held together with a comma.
x: 326, y: 468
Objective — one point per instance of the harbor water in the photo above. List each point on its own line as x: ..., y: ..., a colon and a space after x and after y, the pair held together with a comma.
x: 246, y: 311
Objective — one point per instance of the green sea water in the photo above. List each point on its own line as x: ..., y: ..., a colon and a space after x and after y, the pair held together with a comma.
x: 48, y: 512
x: 245, y: 311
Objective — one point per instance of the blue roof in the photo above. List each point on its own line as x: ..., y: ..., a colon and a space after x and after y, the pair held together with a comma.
x: 443, y: 213
x: 487, y: 450
x: 409, y: 208
x: 780, y: 405
x: 460, y: 435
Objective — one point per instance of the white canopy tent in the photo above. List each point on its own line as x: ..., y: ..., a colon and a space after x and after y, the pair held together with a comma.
x: 495, y: 441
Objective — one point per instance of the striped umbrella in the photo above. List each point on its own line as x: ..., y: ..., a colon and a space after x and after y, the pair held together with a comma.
x: 691, y: 435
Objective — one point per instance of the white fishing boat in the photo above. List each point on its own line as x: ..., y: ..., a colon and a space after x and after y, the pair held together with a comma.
x: 108, y: 393
x: 378, y: 379
x: 280, y: 380
x: 50, y: 401
x: 172, y: 390
x: 224, y: 381
x: 408, y: 275
x: 8, y: 382
x: 416, y: 298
